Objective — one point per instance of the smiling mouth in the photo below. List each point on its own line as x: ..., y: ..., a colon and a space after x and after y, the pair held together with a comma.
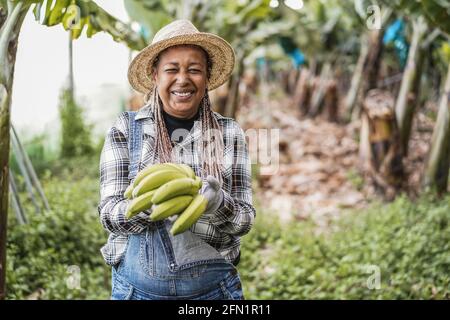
x: 183, y: 94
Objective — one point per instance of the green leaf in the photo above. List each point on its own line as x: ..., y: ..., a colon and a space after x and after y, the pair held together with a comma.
x: 37, y: 11
x: 150, y: 14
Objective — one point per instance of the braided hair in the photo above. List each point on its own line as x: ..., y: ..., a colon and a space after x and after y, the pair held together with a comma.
x: 211, y: 144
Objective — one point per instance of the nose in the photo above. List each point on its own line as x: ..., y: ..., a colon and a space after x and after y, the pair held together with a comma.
x: 183, y: 77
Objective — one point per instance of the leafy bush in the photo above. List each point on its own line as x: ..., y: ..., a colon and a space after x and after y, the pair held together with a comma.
x: 408, y: 243
x: 42, y: 253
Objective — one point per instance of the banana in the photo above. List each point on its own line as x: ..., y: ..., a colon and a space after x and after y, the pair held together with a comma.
x: 190, y: 215
x: 175, y: 188
x: 189, y: 172
x: 154, y: 168
x: 199, y: 182
x: 155, y: 180
x: 194, y: 190
x: 170, y: 207
x: 139, y: 204
x: 176, y: 166
x: 128, y: 192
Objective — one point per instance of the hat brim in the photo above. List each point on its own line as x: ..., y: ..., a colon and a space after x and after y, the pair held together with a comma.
x: 220, y: 52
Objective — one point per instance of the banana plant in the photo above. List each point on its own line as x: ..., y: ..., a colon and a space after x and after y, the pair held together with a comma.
x: 75, y: 15
x: 437, y: 167
x: 370, y: 22
x: 436, y: 176
x: 245, y: 25
x: 426, y: 14
x: 12, y: 15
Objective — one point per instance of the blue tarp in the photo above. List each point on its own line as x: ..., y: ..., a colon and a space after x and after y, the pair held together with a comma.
x: 395, y: 34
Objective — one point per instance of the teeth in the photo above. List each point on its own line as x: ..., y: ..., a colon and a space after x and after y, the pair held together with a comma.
x: 182, y: 94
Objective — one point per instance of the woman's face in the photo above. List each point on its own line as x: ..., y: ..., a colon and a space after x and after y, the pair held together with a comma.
x: 181, y: 78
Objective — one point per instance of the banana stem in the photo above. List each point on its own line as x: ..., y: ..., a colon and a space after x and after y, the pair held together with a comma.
x: 5, y: 36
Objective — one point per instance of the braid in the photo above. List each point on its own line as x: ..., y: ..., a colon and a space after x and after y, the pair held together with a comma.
x: 211, y: 144
x: 163, y: 143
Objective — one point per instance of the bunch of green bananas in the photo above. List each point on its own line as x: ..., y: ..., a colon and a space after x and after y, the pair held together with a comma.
x: 173, y: 189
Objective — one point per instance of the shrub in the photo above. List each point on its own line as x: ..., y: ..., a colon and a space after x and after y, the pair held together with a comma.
x: 408, y: 243
x: 42, y: 253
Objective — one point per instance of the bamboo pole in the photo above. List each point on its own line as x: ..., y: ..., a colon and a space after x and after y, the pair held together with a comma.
x: 23, y: 169
x: 32, y: 172
x: 20, y: 214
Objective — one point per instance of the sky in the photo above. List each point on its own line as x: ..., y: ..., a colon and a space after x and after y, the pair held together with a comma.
x: 100, y: 75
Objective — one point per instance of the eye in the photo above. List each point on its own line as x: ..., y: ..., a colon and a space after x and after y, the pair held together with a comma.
x: 195, y: 70
x: 172, y: 70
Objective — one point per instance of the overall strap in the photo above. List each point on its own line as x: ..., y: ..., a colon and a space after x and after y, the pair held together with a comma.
x: 134, y: 144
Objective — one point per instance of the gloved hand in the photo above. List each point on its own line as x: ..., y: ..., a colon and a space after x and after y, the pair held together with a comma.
x: 213, y: 193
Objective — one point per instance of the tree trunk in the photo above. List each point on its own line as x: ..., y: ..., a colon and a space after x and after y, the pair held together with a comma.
x: 219, y: 98
x: 352, y: 94
x: 371, y: 70
x: 437, y: 168
x: 406, y: 100
x: 302, y: 93
x: 9, y: 33
x: 292, y: 81
x: 380, y: 145
x: 233, y: 95
x: 318, y: 95
x: 332, y: 101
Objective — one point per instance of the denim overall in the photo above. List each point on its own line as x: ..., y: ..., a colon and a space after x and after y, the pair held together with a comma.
x: 157, y: 265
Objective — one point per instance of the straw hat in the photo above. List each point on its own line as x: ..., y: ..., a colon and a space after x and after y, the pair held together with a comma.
x: 177, y: 33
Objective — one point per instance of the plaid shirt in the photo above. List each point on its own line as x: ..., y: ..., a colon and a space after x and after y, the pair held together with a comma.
x: 222, y: 229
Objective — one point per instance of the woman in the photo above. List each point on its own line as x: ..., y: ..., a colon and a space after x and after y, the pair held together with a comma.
x: 177, y: 125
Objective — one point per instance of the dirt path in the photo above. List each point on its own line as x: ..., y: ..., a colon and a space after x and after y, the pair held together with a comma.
x: 318, y: 174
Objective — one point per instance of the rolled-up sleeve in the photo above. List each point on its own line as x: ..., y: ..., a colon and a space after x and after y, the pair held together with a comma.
x: 236, y: 214
x: 114, y: 161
